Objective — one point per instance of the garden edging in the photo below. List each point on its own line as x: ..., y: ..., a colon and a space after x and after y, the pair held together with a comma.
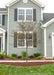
x: 27, y: 60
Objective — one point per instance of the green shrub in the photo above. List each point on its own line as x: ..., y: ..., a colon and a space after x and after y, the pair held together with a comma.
x: 36, y: 54
x: 24, y: 53
x: 24, y: 58
x: 39, y: 57
x: 53, y: 57
x: 6, y: 56
x: 14, y: 55
x: 1, y: 54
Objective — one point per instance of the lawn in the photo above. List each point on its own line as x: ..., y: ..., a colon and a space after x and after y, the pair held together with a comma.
x: 15, y: 70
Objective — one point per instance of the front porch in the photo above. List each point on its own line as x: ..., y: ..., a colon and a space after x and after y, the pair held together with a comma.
x: 2, y: 40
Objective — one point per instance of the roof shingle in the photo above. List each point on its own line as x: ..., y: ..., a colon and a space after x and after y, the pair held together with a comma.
x: 3, y: 9
x: 47, y: 17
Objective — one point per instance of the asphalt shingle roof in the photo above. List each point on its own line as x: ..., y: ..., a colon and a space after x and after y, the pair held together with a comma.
x: 3, y: 9
x: 47, y: 17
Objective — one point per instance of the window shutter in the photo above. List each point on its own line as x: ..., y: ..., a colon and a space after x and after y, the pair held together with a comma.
x: 15, y: 39
x: 34, y: 14
x: 34, y: 39
x: 3, y: 19
x: 15, y: 14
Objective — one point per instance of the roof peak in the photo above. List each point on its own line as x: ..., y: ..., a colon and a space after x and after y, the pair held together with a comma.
x: 34, y: 1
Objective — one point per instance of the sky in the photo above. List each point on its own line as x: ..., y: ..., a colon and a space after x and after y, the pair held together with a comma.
x: 49, y: 5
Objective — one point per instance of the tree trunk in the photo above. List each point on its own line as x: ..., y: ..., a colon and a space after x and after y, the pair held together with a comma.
x: 26, y: 51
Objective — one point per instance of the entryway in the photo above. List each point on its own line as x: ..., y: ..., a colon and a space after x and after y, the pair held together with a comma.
x: 2, y: 40
x: 52, y: 44
x: 1, y: 43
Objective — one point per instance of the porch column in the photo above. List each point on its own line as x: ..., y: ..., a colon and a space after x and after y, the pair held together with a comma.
x: 45, y: 42
x: 3, y: 42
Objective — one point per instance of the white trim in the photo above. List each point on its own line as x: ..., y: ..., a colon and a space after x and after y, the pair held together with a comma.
x: 3, y: 42
x: 25, y: 1
x: 3, y: 36
x: 52, y: 44
x: 8, y: 34
x: 1, y: 19
x: 24, y: 40
x: 34, y: 1
x: 41, y: 14
x: 45, y: 42
x: 48, y: 23
x: 24, y: 15
x: 2, y: 30
x: 3, y: 11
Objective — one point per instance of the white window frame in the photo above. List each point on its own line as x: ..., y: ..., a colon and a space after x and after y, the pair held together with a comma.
x: 25, y: 15
x: 1, y: 19
x: 25, y: 40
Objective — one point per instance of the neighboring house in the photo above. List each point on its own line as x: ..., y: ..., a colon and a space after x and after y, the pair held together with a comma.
x: 26, y: 10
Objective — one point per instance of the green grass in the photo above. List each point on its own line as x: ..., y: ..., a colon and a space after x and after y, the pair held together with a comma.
x: 15, y: 70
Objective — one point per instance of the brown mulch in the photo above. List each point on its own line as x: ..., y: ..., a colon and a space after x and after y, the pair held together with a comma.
x: 22, y: 59
x: 26, y: 64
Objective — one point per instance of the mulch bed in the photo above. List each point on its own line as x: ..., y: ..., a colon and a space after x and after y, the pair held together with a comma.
x: 22, y: 59
x: 27, y: 64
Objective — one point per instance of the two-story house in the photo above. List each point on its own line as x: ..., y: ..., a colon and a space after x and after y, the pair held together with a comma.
x: 18, y: 11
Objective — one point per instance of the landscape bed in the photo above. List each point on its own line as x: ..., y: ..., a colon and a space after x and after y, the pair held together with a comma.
x: 26, y: 63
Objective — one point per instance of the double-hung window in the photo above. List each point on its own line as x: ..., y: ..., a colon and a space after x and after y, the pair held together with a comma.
x: 29, y: 37
x: 24, y: 38
x: 20, y: 39
x: 25, y: 14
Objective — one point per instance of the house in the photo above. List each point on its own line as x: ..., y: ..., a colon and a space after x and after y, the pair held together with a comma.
x: 10, y: 34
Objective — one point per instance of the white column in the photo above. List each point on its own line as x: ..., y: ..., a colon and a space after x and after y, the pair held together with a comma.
x: 45, y: 42
x: 3, y: 42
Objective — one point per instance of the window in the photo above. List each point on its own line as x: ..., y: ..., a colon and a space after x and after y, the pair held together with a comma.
x: 23, y: 37
x: 25, y: 14
x: 29, y: 39
x: 0, y: 19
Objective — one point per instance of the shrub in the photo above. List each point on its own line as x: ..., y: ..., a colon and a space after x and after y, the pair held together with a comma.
x: 36, y: 54
x: 19, y: 57
x: 24, y: 58
x: 31, y: 56
x: 1, y: 56
x: 24, y: 53
x: 39, y: 57
x: 53, y: 57
x: 6, y: 56
x: 14, y: 55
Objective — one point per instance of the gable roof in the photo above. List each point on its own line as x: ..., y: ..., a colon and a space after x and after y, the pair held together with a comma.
x: 48, y: 23
x: 47, y: 17
x: 34, y: 1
